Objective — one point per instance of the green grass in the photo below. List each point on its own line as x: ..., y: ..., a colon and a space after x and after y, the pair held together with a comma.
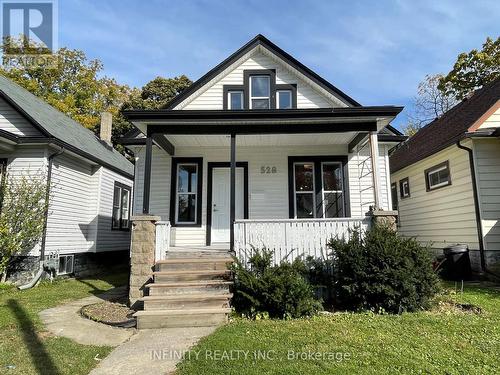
x: 26, y: 345
x: 443, y: 341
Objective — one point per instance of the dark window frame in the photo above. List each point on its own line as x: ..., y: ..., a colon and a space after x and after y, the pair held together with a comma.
x: 129, y: 189
x: 288, y: 87
x: 431, y: 170
x: 173, y: 191
x: 226, y: 89
x: 394, y: 196
x: 401, y: 191
x: 318, y: 181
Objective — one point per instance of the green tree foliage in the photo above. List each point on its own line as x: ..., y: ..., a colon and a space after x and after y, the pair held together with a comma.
x: 73, y: 86
x: 22, y: 214
x: 382, y: 272
x: 473, y: 70
x: 154, y: 95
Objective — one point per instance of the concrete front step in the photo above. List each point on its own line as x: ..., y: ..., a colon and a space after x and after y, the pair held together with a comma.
x: 198, y: 264
x: 189, y: 287
x: 190, y: 275
x: 186, y: 301
x: 181, y: 318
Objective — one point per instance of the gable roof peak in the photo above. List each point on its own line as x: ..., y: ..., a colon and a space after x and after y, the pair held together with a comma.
x: 261, y: 40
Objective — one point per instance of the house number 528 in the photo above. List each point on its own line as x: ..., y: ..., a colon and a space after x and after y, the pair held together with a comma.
x: 267, y: 169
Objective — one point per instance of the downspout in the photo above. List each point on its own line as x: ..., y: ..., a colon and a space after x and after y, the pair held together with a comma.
x: 39, y: 274
x: 484, y: 268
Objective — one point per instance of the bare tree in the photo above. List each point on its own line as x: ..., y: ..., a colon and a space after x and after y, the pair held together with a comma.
x: 429, y: 104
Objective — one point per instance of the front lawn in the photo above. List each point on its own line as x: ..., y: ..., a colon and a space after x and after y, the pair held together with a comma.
x: 26, y: 348
x: 445, y: 340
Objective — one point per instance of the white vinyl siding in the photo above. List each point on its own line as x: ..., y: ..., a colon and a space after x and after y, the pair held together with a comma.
x: 71, y: 213
x: 12, y: 121
x: 493, y: 121
x: 268, y: 193
x: 443, y: 216
x: 108, y: 239
x: 307, y: 97
x: 487, y: 159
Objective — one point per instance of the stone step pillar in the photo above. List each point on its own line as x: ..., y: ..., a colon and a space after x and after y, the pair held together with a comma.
x: 142, y: 255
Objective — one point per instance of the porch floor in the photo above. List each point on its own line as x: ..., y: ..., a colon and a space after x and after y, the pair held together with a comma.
x: 215, y: 250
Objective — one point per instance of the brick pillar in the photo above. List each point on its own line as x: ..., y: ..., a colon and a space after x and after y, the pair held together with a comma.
x: 384, y: 218
x: 142, y: 254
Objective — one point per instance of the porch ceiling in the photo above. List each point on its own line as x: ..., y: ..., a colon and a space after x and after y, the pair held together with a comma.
x: 262, y: 140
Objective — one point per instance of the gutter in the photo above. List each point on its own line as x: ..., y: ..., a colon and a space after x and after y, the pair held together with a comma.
x: 39, y: 274
x: 484, y: 268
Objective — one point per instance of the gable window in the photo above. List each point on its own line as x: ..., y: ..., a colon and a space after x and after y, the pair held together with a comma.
x: 284, y: 99
x: 260, y: 92
x: 121, y: 206
x: 404, y: 188
x: 185, y: 204
x: 235, y: 99
x: 438, y: 176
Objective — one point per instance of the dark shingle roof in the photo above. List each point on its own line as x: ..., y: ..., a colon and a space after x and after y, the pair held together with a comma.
x: 447, y: 129
x: 59, y: 126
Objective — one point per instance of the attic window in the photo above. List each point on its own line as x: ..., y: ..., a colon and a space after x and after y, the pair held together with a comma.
x: 235, y: 99
x: 284, y: 99
x: 260, y: 92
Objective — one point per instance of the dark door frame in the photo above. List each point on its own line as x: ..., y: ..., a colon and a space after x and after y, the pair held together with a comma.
x: 211, y: 166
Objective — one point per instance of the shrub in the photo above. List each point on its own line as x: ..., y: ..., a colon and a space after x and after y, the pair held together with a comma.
x: 382, y: 271
x: 278, y: 291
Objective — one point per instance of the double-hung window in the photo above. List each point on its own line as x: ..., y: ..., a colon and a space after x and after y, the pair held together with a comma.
x: 235, y: 99
x: 187, y: 193
x: 121, y: 206
x: 333, y: 197
x: 260, y: 92
x: 304, y: 190
x: 438, y: 176
x: 284, y: 99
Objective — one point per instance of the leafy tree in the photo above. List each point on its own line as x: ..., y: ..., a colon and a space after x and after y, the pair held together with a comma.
x: 473, y: 70
x: 154, y: 95
x: 429, y: 104
x: 22, y: 215
x: 72, y: 86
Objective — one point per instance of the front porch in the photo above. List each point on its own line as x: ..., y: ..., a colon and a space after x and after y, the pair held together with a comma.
x: 287, y: 183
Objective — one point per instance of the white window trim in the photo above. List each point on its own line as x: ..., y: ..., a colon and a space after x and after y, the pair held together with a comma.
x: 278, y: 94
x: 323, y: 191
x: 260, y: 97
x: 72, y: 264
x: 121, y: 187
x: 295, y: 192
x: 433, y: 171
x: 195, y: 193
x: 229, y: 98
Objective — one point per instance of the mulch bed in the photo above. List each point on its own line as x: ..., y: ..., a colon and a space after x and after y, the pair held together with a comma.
x: 111, y: 313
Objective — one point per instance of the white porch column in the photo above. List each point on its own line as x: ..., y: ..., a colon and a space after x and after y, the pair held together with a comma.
x: 374, y: 154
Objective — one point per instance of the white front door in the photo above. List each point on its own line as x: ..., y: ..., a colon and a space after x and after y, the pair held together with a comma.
x: 221, y: 205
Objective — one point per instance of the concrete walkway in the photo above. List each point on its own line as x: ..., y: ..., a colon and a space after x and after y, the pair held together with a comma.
x: 147, y: 352
x: 66, y: 321
x: 151, y: 351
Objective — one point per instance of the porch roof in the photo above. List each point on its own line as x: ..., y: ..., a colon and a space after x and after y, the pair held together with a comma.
x: 321, y: 120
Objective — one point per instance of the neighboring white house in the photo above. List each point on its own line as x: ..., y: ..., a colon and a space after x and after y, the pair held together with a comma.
x: 261, y: 151
x: 90, y: 183
x: 446, y: 179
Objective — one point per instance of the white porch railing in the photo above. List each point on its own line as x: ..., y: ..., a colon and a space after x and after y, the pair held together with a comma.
x: 290, y: 238
x: 162, y: 240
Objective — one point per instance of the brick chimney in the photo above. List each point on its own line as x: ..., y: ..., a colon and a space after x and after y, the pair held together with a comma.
x: 106, y: 125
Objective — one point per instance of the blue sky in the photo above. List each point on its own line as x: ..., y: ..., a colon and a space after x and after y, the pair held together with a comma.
x: 375, y: 51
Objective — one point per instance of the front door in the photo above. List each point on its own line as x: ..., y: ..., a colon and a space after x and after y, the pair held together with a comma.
x: 221, y: 205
